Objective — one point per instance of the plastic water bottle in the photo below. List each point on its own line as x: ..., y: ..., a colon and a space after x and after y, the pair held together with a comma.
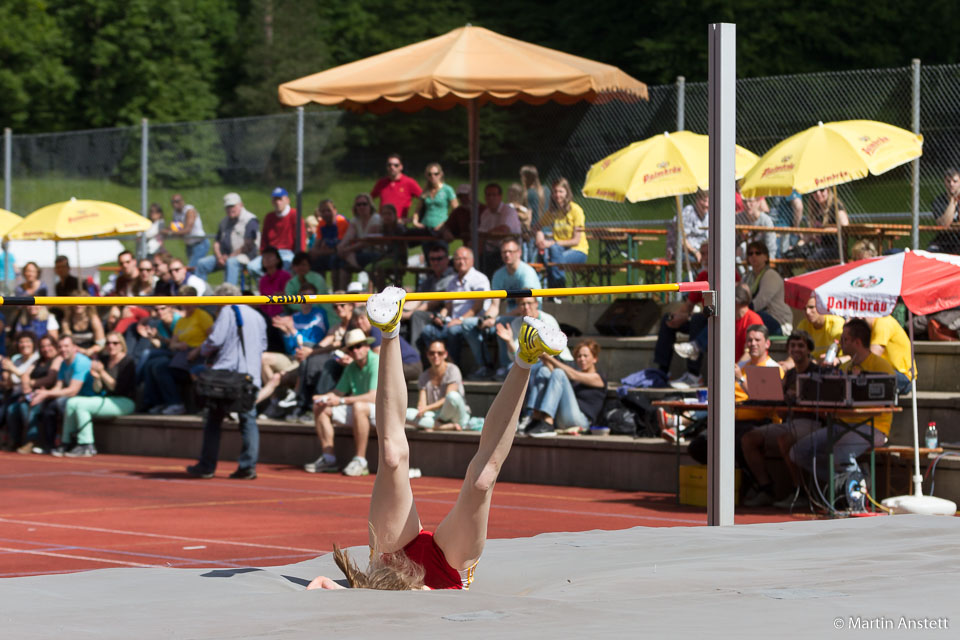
x: 832, y: 351
x: 931, y: 439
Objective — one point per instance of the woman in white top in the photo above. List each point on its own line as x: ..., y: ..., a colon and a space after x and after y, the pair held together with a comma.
x: 187, y: 224
x: 353, y: 253
x: 442, y: 401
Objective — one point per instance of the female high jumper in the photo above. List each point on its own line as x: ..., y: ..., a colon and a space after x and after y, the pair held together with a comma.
x: 403, y: 555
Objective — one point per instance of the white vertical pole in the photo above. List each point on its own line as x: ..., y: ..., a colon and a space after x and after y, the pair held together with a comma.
x: 7, y: 168
x: 679, y: 249
x: 144, y: 184
x: 915, y: 165
x: 7, y: 191
x: 297, y: 240
x: 474, y: 150
x: 722, y: 131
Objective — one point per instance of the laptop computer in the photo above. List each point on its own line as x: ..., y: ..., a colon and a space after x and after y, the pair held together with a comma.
x: 764, y: 384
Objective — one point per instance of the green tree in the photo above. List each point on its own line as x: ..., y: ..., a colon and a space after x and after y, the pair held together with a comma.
x: 146, y: 58
x: 36, y: 85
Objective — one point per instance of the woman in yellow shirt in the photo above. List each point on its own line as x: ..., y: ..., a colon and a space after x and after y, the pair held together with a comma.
x: 569, y: 244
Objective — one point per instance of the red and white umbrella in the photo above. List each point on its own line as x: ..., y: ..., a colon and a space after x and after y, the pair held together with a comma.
x: 927, y: 283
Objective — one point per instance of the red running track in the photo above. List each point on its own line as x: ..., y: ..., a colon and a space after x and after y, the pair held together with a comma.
x: 60, y: 515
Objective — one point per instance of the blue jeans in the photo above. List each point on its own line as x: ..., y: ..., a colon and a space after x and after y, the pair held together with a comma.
x: 196, y: 251
x: 160, y: 383
x: 561, y: 255
x: 208, y: 264
x: 846, y: 449
x: 903, y: 383
x: 454, y: 336
x: 255, y: 267
x: 552, y: 393
x: 249, y: 434
x: 696, y: 328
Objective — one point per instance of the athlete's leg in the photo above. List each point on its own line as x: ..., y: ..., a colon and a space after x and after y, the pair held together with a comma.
x: 393, y: 515
x: 463, y: 532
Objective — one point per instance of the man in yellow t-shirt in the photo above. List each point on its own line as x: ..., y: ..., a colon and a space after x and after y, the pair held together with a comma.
x: 823, y: 328
x: 855, y: 341
x: 569, y: 244
x: 889, y: 341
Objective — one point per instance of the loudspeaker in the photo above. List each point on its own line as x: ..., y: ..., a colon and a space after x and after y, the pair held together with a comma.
x: 628, y: 317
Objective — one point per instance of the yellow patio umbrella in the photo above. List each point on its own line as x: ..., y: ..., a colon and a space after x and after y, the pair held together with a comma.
x: 76, y: 219
x: 830, y: 154
x: 469, y: 66
x: 669, y: 164
x: 8, y: 220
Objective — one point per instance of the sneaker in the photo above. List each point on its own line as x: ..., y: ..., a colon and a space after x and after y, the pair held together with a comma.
x: 687, y: 381
x: 385, y: 309
x: 244, y: 473
x: 761, y: 498
x: 795, y: 500
x: 197, y: 471
x: 82, y: 451
x: 540, y: 429
x: 414, y: 472
x: 688, y: 350
x: 666, y: 420
x: 357, y: 467
x: 501, y: 374
x: 524, y: 423
x: 537, y: 338
x: 57, y: 452
x: 174, y: 410
x: 155, y: 410
x: 320, y: 465
x: 289, y: 401
x: 40, y: 451
x: 669, y: 434
x: 483, y: 373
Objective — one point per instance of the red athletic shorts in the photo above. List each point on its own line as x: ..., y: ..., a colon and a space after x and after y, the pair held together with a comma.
x: 439, y: 574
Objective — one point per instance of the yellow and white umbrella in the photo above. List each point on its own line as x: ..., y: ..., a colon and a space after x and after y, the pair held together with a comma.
x: 76, y: 219
x: 830, y: 154
x: 669, y: 164
x: 8, y: 220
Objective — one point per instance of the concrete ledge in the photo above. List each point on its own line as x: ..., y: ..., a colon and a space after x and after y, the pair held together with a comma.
x: 606, y: 462
x: 609, y: 462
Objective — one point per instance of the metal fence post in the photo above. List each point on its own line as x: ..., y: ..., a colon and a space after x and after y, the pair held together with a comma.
x: 7, y: 168
x: 722, y: 101
x: 144, y: 179
x: 297, y: 239
x: 7, y: 191
x: 679, y: 249
x: 915, y: 165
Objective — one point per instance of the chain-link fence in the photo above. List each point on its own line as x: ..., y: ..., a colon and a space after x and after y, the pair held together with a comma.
x: 204, y: 160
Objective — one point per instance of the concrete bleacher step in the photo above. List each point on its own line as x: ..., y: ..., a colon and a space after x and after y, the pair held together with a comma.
x: 619, y: 357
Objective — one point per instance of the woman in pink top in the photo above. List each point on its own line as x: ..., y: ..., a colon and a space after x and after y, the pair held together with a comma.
x: 273, y: 281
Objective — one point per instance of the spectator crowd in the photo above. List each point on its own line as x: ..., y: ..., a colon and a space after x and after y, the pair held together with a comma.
x: 316, y: 364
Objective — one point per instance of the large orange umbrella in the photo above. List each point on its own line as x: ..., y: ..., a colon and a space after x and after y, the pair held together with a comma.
x: 469, y: 66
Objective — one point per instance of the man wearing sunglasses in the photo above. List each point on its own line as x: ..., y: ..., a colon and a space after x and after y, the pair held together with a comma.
x: 352, y: 403
x: 396, y: 188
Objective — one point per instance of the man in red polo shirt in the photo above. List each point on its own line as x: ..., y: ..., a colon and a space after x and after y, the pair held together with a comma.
x: 396, y: 188
x: 279, y: 231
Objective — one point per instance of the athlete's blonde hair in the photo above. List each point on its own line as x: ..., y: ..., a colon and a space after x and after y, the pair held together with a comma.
x: 385, y: 572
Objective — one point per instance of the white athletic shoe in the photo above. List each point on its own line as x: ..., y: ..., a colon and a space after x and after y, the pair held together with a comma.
x: 688, y: 350
x: 320, y: 465
x: 687, y: 381
x: 385, y: 309
x: 357, y: 467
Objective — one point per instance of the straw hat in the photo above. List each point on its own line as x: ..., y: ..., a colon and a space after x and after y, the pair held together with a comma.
x: 355, y: 337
